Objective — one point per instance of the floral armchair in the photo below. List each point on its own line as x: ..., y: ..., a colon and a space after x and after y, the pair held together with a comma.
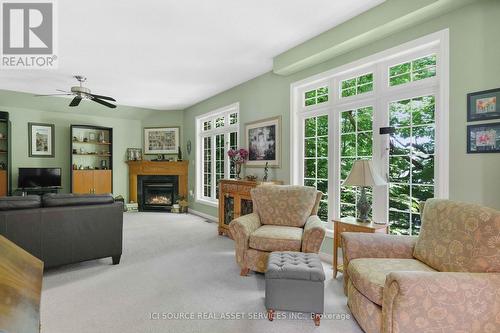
x: 284, y: 219
x: 446, y: 280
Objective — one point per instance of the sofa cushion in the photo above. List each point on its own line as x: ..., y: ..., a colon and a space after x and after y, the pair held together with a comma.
x: 18, y: 202
x: 284, y: 205
x: 459, y: 237
x: 59, y: 200
x: 276, y: 238
x: 368, y: 274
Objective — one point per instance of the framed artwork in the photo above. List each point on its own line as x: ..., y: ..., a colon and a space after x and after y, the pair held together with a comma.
x: 264, y: 142
x: 483, y: 105
x: 41, y: 138
x: 483, y: 138
x: 161, y: 140
x: 134, y: 154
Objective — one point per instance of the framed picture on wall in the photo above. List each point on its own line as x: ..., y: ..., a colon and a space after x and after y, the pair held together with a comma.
x: 161, y: 140
x: 483, y: 105
x: 483, y: 138
x: 264, y: 142
x: 41, y: 138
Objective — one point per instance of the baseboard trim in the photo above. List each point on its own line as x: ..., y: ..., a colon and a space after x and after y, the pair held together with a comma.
x: 200, y: 214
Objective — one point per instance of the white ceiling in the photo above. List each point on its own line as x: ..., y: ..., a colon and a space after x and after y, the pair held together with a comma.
x: 171, y: 54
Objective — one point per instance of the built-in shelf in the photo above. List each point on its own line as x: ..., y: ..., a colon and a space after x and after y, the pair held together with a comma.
x: 5, y: 179
x: 91, y: 159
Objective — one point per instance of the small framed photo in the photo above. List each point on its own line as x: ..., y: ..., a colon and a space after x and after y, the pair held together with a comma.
x: 161, y: 140
x: 483, y: 138
x: 41, y: 138
x: 92, y: 137
x: 134, y: 154
x: 264, y: 142
x: 483, y: 105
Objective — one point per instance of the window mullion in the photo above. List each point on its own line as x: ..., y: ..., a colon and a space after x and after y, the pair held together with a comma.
x: 213, y: 157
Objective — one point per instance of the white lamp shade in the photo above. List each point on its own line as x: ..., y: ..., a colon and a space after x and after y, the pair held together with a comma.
x: 362, y: 174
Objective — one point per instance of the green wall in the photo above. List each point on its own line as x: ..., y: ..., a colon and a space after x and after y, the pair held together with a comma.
x: 24, y: 108
x: 474, y: 65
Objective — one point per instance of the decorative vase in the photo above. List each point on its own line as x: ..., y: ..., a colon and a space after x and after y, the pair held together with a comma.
x: 238, y: 170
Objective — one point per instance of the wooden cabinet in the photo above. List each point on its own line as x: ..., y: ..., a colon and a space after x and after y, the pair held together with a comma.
x: 20, y: 289
x: 3, y: 183
x: 235, y: 201
x: 92, y: 181
x: 102, y: 181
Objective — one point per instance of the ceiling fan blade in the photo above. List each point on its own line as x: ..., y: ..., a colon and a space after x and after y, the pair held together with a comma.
x: 52, y: 95
x: 109, y: 105
x: 102, y: 97
x: 64, y: 91
x: 75, y: 101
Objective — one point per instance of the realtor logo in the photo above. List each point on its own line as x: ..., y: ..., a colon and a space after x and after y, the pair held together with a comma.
x: 28, y: 35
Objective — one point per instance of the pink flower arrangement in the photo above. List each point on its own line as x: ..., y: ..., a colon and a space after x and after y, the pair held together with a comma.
x: 238, y: 156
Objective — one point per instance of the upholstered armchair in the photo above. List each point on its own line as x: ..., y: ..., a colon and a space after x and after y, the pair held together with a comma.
x: 446, y: 280
x: 284, y: 219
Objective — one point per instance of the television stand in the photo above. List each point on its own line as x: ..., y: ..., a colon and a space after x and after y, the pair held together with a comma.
x: 36, y: 191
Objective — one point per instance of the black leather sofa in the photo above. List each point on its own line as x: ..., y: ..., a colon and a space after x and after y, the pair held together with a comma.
x: 61, y: 229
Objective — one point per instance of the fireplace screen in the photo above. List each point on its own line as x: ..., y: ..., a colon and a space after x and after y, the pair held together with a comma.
x: 157, y: 193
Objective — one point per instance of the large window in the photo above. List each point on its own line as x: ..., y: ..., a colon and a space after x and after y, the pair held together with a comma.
x: 402, y: 88
x: 218, y: 131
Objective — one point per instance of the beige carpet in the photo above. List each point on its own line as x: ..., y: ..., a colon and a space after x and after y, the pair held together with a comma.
x: 174, y: 266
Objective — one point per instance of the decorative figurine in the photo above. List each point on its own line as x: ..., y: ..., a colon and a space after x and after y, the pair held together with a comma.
x: 179, y: 154
x: 101, y: 137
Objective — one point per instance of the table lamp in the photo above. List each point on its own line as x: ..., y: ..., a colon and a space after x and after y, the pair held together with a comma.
x: 363, y: 175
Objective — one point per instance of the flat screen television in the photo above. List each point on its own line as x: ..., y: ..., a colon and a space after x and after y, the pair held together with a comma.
x: 39, y: 177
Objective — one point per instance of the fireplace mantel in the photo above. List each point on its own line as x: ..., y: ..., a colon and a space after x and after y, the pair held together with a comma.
x: 144, y: 168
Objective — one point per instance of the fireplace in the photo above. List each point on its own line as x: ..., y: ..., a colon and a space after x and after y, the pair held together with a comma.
x: 157, y: 193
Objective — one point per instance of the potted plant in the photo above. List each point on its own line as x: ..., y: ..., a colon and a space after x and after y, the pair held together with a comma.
x: 238, y: 157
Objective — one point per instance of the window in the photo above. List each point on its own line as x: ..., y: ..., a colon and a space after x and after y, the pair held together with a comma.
x: 411, y: 161
x: 207, y: 166
x: 327, y: 140
x: 316, y: 159
x: 415, y: 70
x: 356, y: 86
x: 356, y: 142
x: 316, y: 96
x: 218, y: 131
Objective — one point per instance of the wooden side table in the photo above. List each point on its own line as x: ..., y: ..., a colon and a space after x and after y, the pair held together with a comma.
x: 20, y: 289
x: 350, y: 224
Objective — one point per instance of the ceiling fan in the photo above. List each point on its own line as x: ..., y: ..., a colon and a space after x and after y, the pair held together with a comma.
x: 80, y: 92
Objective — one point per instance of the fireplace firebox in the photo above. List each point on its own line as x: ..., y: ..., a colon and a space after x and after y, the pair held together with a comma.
x: 157, y: 193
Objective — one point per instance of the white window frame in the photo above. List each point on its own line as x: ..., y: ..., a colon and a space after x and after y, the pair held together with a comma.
x: 213, y: 132
x: 382, y: 94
